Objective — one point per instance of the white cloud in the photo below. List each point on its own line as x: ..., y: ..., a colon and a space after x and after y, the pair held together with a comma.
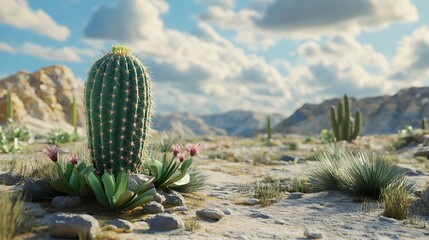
x: 309, y: 19
x: 17, y: 13
x: 64, y: 54
x: 221, y: 3
x: 6, y: 47
x: 411, y: 62
x: 204, y: 72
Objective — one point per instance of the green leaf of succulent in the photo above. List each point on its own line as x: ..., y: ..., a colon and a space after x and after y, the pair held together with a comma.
x: 183, y: 181
x: 145, y: 186
x: 109, y: 185
x: 186, y: 164
x: 95, y: 185
x: 63, y: 186
x: 121, y: 184
x: 81, y: 167
x: 124, y: 198
x: 140, y: 200
x: 69, y: 171
x: 178, y: 175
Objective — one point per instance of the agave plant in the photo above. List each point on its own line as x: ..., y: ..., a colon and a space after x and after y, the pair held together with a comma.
x: 173, y: 172
x: 196, y: 182
x: 71, y: 177
x: 113, y: 194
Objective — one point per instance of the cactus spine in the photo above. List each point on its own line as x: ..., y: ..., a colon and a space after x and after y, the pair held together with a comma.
x: 9, y: 107
x: 118, y: 105
x: 424, y: 123
x: 74, y: 115
x: 269, y: 130
x: 344, y: 126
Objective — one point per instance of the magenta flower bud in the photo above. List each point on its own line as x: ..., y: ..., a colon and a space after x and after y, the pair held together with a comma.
x: 72, y: 159
x: 194, y: 149
x: 176, y: 149
x: 51, y: 151
x: 182, y: 156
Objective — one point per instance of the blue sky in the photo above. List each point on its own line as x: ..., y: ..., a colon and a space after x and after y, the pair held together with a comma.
x: 209, y: 56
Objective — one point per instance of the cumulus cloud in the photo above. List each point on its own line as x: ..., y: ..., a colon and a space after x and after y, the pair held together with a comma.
x: 17, y: 13
x: 412, y: 58
x: 310, y: 19
x: 202, y: 63
x: 65, y: 54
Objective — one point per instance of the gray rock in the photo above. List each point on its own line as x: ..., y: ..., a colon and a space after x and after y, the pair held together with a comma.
x: 259, y: 215
x: 287, y: 158
x: 387, y: 219
x: 252, y: 201
x: 64, y: 202
x: 159, y: 198
x: 295, y: 195
x: 165, y: 222
x: 153, y: 208
x: 425, y: 197
x: 174, y: 199
x: 39, y: 190
x: 136, y: 180
x: 10, y: 178
x: 122, y: 225
x: 226, y: 210
x: 279, y: 222
x: 177, y: 209
x: 313, y: 234
x: 68, y: 225
x: 210, y: 213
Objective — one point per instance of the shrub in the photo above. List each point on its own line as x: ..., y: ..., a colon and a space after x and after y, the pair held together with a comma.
x: 12, y: 215
x: 361, y: 174
x: 59, y: 136
x: 267, y: 192
x: 293, y: 146
x: 396, y: 202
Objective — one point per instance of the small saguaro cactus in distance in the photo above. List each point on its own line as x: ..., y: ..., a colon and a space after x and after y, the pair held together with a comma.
x: 9, y: 107
x: 424, y: 123
x: 344, y: 126
x: 118, y: 106
x: 74, y: 115
x: 269, y: 130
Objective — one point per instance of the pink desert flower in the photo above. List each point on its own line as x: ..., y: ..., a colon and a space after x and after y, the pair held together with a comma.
x: 176, y: 149
x: 72, y: 159
x: 182, y: 156
x: 51, y: 151
x: 194, y: 149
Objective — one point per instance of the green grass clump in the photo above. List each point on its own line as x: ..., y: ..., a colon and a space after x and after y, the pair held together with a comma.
x: 267, y: 192
x: 12, y: 215
x: 192, y: 224
x: 197, y: 181
x: 396, y: 202
x: 361, y: 174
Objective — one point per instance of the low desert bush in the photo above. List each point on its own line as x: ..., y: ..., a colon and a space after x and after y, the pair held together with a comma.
x: 267, y: 192
x: 59, y: 136
x: 361, y: 174
x: 396, y: 202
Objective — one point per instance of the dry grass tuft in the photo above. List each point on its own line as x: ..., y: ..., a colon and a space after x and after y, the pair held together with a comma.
x: 12, y: 215
x: 396, y: 202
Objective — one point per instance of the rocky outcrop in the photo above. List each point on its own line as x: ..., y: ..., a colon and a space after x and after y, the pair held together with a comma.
x: 381, y: 115
x: 45, y: 95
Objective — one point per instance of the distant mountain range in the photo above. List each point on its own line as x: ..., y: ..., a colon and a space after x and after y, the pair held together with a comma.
x: 381, y: 115
x: 42, y: 100
x: 233, y: 123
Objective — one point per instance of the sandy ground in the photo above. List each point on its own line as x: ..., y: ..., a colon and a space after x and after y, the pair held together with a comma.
x: 333, y: 214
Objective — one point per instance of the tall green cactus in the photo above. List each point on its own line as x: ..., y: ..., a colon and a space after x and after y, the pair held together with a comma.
x: 344, y: 126
x: 74, y: 115
x: 424, y: 123
x: 269, y: 130
x: 9, y: 107
x: 118, y: 104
